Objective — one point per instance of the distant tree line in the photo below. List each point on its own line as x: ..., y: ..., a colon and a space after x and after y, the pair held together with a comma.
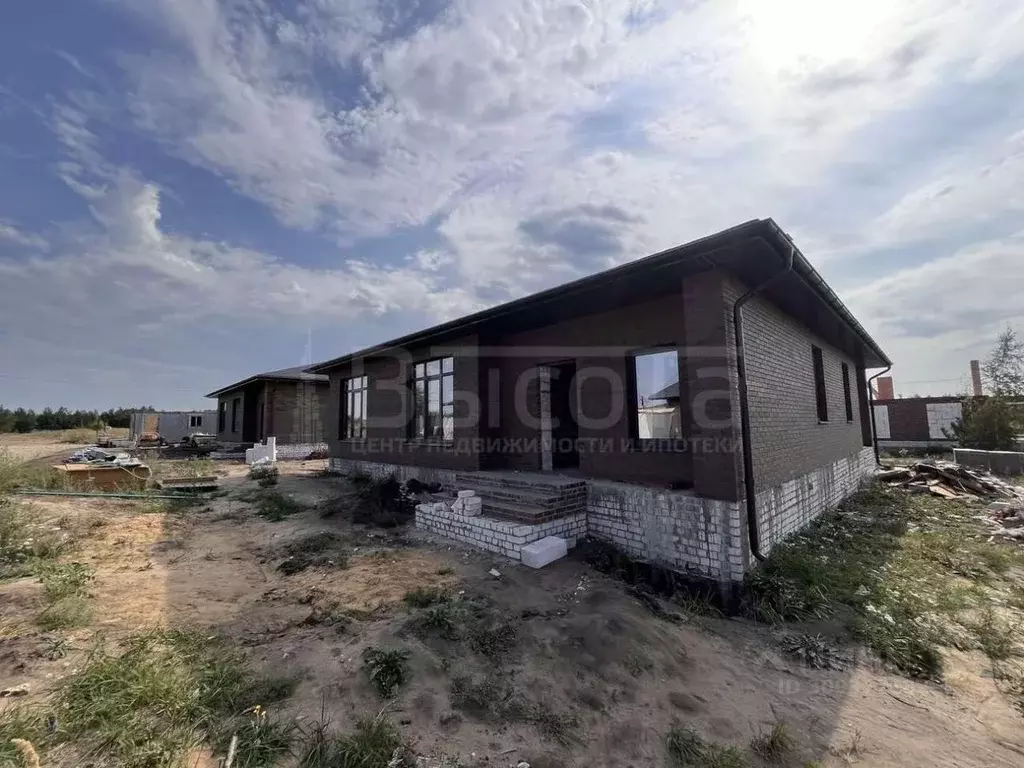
x: 21, y: 420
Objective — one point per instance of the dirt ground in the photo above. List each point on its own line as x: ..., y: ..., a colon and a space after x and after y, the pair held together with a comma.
x: 611, y: 677
x: 51, y: 444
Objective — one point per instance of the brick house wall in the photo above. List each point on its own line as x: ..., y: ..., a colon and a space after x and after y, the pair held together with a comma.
x: 230, y: 434
x: 908, y: 418
x: 787, y: 439
x: 595, y: 342
x: 294, y: 410
x: 389, y: 410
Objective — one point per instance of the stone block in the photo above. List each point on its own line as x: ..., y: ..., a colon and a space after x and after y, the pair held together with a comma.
x: 541, y: 553
x: 467, y: 494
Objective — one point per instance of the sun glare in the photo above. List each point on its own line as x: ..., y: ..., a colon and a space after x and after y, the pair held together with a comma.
x: 788, y: 34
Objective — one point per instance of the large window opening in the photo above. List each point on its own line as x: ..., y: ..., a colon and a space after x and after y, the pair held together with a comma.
x: 353, y: 408
x: 434, y: 399
x: 655, y: 384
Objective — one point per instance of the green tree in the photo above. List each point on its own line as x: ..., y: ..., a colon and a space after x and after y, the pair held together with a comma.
x: 987, y: 424
x: 24, y: 421
x: 1004, y: 367
x: 991, y: 423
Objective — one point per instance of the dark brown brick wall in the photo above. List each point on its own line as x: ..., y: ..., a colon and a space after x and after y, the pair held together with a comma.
x: 908, y: 417
x: 389, y: 408
x: 294, y: 410
x: 596, y: 343
x: 228, y: 435
x: 787, y: 439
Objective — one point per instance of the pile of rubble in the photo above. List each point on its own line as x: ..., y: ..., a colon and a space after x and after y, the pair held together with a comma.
x: 954, y: 481
x: 951, y: 481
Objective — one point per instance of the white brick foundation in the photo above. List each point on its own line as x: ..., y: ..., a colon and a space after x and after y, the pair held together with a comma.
x: 299, y: 451
x: 499, y: 536
x: 786, y: 508
x: 402, y: 472
x: 675, y: 529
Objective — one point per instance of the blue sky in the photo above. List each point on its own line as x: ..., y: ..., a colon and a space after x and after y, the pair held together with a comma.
x: 191, y: 189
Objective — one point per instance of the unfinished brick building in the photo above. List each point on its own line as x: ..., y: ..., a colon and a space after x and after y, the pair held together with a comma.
x: 616, y: 406
x: 287, y: 404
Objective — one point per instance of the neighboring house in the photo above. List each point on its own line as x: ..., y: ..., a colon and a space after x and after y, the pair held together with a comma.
x: 557, y: 386
x: 286, y: 404
x: 915, y: 422
x: 172, y: 426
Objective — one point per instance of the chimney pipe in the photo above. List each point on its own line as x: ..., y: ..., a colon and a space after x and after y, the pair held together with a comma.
x: 885, y: 388
x: 976, y: 377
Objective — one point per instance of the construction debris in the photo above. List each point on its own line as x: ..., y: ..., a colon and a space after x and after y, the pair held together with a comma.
x: 950, y: 481
x: 955, y: 481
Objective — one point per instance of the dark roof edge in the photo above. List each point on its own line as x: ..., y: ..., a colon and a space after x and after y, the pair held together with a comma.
x: 305, y: 376
x: 817, y: 283
x: 688, y: 250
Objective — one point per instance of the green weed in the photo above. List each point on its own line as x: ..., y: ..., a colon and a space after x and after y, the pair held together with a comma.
x: 773, y: 745
x: 65, y: 579
x: 276, y: 507
x: 66, y: 613
x: 688, y: 749
x: 375, y: 742
x: 386, y: 668
x: 422, y: 597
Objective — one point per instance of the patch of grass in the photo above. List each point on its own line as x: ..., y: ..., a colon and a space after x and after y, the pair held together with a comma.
x: 994, y: 636
x: 15, y: 473
x: 382, y: 502
x: 386, y: 669
x: 775, y: 744
x: 275, y: 507
x: 697, y: 606
x: 78, y: 436
x: 265, y: 475
x: 65, y: 579
x: 688, y: 749
x: 375, y: 742
x: 262, y: 740
x: 496, y: 701
x: 164, y: 695
x: 20, y: 722
x: 852, y: 750
x: 813, y: 651
x: 422, y: 597
x: 324, y: 549
x: 904, y: 572
x: 440, y: 618
x: 638, y: 664
x: 66, y: 613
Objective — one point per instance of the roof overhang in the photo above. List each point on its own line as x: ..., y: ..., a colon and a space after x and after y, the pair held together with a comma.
x: 752, y: 252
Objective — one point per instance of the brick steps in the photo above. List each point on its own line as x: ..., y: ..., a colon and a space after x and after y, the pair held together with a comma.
x: 526, y: 497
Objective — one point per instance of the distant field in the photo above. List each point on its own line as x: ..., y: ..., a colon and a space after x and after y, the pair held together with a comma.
x: 38, y: 445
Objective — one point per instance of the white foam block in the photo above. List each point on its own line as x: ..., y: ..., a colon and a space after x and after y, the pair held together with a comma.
x: 543, y: 552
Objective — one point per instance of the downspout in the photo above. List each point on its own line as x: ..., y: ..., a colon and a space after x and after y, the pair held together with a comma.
x: 741, y: 376
x: 871, y: 407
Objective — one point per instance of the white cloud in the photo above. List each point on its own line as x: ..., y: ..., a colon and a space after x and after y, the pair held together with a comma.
x: 13, y: 235
x: 937, y: 316
x: 549, y: 138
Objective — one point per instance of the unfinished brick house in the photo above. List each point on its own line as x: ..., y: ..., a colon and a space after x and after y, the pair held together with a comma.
x: 287, y: 404
x: 915, y: 422
x: 615, y: 407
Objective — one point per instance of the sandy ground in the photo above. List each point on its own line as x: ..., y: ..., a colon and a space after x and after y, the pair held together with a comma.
x: 585, y: 648
x: 39, y: 445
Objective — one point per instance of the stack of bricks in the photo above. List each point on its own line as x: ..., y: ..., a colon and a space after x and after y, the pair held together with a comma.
x: 468, y: 504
